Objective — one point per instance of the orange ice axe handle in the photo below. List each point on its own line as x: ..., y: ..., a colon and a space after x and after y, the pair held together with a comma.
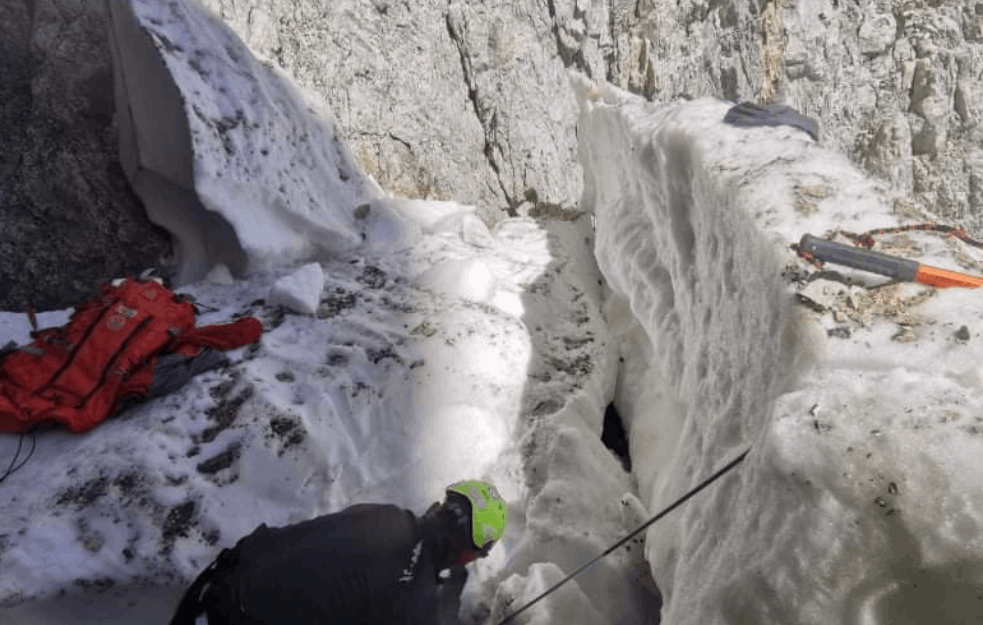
x: 943, y: 278
x: 885, y: 265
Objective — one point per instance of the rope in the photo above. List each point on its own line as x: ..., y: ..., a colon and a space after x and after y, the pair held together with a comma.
x: 730, y: 465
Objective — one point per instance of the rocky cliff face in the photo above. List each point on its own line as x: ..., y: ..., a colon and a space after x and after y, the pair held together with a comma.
x: 470, y: 101
x: 67, y: 216
x: 899, y: 88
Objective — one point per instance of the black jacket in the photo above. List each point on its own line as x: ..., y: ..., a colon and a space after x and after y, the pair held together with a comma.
x: 369, y: 564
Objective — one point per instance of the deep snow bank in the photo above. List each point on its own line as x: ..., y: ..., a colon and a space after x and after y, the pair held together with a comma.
x: 241, y: 165
x: 857, y: 504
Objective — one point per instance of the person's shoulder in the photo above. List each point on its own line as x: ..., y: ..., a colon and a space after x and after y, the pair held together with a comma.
x: 385, y: 524
x: 385, y: 511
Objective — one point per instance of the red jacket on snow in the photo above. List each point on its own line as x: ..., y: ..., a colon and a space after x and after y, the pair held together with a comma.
x: 76, y: 374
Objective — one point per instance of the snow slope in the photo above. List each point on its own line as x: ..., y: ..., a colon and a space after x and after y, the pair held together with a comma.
x: 860, y: 501
x: 441, y: 350
x: 400, y: 384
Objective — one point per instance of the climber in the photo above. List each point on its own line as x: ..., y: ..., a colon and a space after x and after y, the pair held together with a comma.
x: 370, y: 563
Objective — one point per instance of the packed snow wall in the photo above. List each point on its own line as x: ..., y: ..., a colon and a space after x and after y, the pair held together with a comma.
x: 856, y: 504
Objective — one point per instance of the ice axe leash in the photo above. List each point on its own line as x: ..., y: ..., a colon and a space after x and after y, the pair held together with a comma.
x: 710, y: 480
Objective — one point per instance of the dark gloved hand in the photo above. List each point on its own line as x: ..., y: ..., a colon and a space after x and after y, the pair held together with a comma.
x: 450, y: 595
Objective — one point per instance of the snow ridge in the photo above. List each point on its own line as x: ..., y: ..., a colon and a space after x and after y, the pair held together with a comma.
x: 855, y: 504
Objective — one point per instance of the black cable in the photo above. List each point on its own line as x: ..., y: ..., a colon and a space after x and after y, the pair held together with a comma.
x: 730, y: 465
x: 20, y: 443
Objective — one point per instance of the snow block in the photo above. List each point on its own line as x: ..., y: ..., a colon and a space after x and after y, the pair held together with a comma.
x: 300, y: 291
x: 240, y: 164
x: 220, y: 274
x: 860, y: 400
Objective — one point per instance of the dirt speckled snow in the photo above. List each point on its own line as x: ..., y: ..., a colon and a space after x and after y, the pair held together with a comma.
x: 440, y: 349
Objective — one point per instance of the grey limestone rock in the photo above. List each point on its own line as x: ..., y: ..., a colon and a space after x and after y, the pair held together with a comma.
x: 896, y: 86
x: 455, y: 100
x: 469, y: 100
x: 893, y: 84
x: 67, y: 217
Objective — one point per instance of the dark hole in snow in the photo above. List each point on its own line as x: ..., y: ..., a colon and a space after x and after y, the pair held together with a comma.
x: 579, y: 366
x: 962, y: 334
x: 221, y: 391
x: 128, y: 483
x: 336, y: 303
x: 375, y: 356
x: 337, y: 359
x: 614, y: 437
x: 289, y: 431
x: 251, y: 352
x: 651, y: 604
x: 225, y: 413
x: 545, y: 407
x: 277, y: 317
x: 282, y: 426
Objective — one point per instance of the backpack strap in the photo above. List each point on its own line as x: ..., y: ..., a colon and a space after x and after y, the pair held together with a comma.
x: 221, y: 336
x: 32, y: 318
x: 196, y: 599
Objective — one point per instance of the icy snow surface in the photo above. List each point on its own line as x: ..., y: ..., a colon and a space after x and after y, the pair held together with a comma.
x: 440, y: 350
x: 860, y: 502
x: 390, y: 392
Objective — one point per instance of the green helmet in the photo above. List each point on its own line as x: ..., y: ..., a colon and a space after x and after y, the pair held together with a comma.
x: 488, y: 511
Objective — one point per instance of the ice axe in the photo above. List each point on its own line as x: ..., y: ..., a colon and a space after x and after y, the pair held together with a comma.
x: 885, y: 264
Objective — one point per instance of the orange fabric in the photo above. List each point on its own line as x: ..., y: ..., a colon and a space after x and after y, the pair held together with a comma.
x: 223, y: 336
x: 75, y: 375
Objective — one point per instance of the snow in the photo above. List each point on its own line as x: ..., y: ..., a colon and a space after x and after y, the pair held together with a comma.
x: 273, y: 182
x: 440, y: 349
x: 391, y: 391
x: 857, y: 503
x: 299, y: 291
